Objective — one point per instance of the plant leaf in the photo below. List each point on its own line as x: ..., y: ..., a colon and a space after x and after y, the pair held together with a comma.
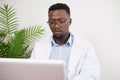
x: 33, y: 33
x: 16, y: 49
x: 8, y: 20
x: 14, y: 43
x: 3, y: 50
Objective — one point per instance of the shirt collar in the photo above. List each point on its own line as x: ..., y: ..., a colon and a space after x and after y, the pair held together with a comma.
x: 68, y: 43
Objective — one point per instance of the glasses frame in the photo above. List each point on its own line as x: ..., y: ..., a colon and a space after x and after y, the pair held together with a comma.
x: 60, y: 22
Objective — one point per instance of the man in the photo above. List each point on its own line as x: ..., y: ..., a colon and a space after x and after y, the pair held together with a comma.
x: 78, y: 54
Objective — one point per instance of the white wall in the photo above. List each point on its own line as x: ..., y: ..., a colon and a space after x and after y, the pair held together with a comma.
x: 95, y: 20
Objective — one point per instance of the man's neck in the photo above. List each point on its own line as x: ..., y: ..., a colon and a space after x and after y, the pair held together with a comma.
x: 62, y: 40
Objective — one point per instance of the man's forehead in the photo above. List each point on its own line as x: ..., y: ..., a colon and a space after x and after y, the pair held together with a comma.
x: 61, y: 13
x: 57, y: 12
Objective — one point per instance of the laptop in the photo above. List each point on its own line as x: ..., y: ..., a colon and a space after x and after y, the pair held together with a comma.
x: 27, y: 69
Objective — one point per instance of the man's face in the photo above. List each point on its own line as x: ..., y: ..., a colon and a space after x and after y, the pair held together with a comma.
x: 59, y: 22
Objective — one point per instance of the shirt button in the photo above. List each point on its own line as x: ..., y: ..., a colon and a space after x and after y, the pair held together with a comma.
x: 68, y: 71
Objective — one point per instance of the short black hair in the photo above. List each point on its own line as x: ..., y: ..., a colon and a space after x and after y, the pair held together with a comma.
x: 60, y: 6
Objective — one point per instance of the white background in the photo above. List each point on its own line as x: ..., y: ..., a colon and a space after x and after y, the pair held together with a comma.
x: 95, y: 20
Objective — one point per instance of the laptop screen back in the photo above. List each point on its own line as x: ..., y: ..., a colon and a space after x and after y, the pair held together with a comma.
x: 27, y: 69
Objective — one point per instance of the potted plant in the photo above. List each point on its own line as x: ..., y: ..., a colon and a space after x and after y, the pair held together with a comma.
x: 15, y: 42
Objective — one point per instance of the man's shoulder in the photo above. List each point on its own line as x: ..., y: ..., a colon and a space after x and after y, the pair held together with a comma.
x: 45, y: 37
x: 80, y: 41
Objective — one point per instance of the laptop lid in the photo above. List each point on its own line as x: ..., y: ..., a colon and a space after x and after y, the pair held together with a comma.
x: 27, y: 69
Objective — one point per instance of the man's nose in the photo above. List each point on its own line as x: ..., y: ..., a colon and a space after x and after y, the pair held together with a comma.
x: 57, y: 25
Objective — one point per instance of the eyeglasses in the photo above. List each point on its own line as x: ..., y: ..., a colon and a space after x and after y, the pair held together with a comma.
x: 60, y: 22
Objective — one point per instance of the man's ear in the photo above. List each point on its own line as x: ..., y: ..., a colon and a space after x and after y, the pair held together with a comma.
x: 70, y: 22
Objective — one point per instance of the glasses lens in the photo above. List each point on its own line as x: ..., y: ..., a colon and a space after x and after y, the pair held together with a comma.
x: 59, y: 22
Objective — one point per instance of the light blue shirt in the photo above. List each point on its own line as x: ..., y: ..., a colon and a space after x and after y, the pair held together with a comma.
x: 61, y: 52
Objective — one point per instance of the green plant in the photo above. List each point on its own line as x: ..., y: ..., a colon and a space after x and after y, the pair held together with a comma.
x: 15, y: 42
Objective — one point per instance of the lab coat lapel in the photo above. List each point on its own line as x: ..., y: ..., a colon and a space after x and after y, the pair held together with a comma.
x: 42, y: 49
x: 76, y: 53
x: 46, y: 49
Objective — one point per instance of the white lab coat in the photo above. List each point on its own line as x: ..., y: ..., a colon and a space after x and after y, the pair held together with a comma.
x: 83, y: 64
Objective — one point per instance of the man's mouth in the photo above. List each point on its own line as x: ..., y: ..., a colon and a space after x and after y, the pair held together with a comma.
x: 57, y: 31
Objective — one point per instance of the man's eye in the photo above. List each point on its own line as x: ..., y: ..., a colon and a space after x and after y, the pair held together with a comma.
x: 61, y: 22
x: 51, y: 22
